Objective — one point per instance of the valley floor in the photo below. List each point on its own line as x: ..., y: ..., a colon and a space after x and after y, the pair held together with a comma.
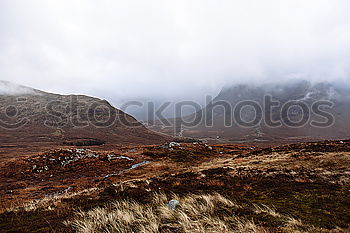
x: 301, y: 187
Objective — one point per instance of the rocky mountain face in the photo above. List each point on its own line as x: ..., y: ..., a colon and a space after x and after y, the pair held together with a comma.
x: 275, y: 111
x: 29, y: 116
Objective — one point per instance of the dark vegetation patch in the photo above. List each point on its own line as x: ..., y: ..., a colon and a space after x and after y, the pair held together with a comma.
x: 34, y: 221
x: 85, y: 142
x: 185, y: 156
x: 181, y: 155
x: 310, y: 147
x: 185, y: 140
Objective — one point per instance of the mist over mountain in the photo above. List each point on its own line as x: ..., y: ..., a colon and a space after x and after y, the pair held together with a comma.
x: 301, y: 90
x: 297, y: 101
x: 153, y: 108
x: 171, y: 49
x: 11, y: 89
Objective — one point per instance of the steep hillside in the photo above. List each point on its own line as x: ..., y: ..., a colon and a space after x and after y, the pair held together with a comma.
x: 32, y: 118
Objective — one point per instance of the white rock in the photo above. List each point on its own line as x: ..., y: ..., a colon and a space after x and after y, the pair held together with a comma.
x: 173, y: 204
x: 174, y: 144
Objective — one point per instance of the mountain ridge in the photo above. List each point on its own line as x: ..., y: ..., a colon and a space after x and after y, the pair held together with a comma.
x: 33, y: 118
x: 333, y: 98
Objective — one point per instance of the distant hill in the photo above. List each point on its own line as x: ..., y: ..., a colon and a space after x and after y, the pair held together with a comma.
x: 30, y: 117
x: 301, y: 92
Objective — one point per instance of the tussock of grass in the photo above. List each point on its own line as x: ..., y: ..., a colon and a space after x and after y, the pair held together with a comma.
x: 196, y: 213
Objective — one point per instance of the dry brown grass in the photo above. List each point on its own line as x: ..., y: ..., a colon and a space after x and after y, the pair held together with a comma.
x: 196, y: 214
x: 46, y: 203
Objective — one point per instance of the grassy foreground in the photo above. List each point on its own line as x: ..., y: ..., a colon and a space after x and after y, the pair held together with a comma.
x: 196, y: 213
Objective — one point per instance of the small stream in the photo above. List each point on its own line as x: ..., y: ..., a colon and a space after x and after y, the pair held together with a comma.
x: 109, y: 175
x: 129, y: 169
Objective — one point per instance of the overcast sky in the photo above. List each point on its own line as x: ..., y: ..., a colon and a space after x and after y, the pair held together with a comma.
x: 179, y: 48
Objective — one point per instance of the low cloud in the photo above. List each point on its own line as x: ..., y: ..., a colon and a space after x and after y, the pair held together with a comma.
x: 11, y: 89
x: 170, y: 49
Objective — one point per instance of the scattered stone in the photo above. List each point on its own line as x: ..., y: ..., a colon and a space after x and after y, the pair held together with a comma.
x: 76, y: 155
x: 171, y: 145
x: 61, y: 157
x: 174, y: 144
